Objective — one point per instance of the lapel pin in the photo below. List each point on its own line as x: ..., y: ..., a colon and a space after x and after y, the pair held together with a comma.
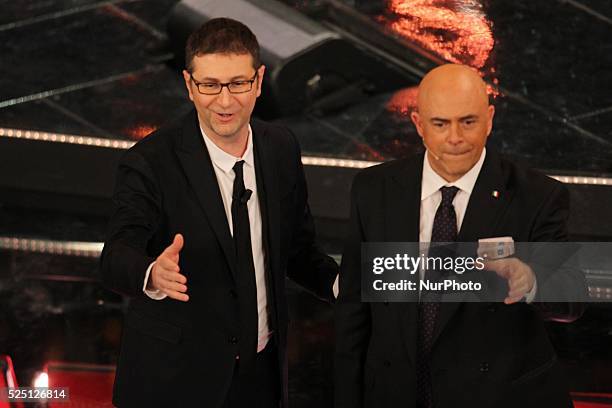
x: 495, y: 194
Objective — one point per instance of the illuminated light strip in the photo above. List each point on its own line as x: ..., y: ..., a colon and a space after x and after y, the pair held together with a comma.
x: 600, y: 289
x: 70, y: 248
x: 598, y: 292
x: 306, y: 160
x: 66, y: 138
x: 331, y: 162
x: 596, y: 181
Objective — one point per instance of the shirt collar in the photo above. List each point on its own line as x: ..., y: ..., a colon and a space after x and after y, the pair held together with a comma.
x: 225, y: 161
x: 432, y: 181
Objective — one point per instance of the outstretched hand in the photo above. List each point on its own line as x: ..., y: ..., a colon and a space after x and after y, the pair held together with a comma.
x: 165, y: 275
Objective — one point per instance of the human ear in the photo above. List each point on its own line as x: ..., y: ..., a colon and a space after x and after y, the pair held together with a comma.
x: 187, y: 78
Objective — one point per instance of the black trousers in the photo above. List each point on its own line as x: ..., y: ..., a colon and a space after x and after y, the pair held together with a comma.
x: 259, y: 388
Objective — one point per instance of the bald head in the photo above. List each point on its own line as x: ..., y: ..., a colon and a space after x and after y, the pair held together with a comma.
x: 453, y: 118
x: 452, y: 79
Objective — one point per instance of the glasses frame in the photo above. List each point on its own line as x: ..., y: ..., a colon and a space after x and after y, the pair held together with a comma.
x: 225, y: 85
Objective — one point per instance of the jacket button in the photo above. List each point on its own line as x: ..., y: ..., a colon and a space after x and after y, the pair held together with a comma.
x: 233, y: 339
x: 387, y: 363
x: 484, y: 367
x: 233, y: 293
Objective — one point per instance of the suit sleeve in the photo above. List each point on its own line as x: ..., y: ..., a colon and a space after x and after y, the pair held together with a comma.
x: 135, y: 218
x: 307, y: 264
x: 563, y: 281
x: 352, y: 318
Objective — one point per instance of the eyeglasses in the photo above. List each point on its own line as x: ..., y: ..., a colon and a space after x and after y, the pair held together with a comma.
x: 234, y: 87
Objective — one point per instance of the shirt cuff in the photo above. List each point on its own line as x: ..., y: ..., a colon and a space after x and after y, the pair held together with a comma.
x: 153, y: 294
x: 335, y: 287
x: 531, y: 294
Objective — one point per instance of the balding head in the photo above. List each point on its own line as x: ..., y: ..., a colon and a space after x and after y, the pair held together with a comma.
x: 452, y: 79
x: 454, y: 118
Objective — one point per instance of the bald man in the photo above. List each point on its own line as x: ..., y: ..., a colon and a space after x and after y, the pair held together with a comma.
x: 432, y: 354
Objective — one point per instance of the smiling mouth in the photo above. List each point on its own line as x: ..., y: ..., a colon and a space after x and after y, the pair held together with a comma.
x: 224, y: 116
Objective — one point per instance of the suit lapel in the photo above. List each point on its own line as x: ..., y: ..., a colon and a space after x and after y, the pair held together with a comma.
x: 267, y: 186
x: 485, y: 206
x: 482, y: 215
x: 403, y: 198
x: 266, y: 171
x: 403, y: 201
x: 198, y: 168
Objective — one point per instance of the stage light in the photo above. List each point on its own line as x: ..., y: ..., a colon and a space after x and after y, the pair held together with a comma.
x: 41, y: 380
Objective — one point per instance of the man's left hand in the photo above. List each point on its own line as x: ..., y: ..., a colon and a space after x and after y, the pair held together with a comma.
x: 519, y: 275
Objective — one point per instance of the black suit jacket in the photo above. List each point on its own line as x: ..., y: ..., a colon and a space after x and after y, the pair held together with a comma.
x: 183, y: 354
x: 484, y: 355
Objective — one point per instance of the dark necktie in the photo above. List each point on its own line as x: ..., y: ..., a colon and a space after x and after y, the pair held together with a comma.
x: 444, y: 230
x: 245, y: 282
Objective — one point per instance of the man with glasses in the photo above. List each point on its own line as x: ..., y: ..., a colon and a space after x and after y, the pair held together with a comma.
x: 210, y: 215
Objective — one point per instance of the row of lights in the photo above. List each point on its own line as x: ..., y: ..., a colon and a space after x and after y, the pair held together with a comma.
x: 598, y: 292
x: 307, y: 160
x: 65, y: 138
x: 601, y: 181
x: 69, y: 248
x: 330, y: 162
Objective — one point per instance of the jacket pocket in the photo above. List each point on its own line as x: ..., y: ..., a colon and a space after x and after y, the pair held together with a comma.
x: 153, y: 327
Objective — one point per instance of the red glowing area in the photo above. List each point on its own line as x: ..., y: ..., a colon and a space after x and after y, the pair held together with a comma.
x: 140, y: 131
x: 403, y: 101
x: 88, y: 385
x: 456, y: 30
x: 591, y: 400
x: 368, y: 153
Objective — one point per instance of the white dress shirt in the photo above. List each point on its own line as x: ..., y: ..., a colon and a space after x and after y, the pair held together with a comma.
x: 223, y: 164
x: 431, y: 197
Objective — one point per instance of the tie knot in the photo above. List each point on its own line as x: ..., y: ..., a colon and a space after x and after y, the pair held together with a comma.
x: 238, y: 167
x: 448, y: 194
